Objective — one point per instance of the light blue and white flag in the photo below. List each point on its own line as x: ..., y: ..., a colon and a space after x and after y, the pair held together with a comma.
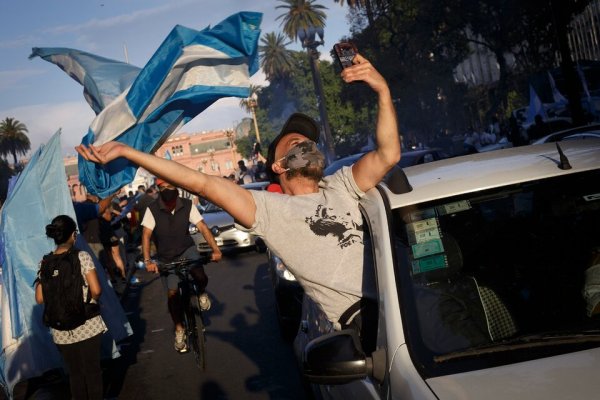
x: 584, y: 84
x: 535, y: 107
x: 103, y: 79
x: 556, y: 95
x: 168, y: 155
x: 189, y: 72
x: 40, y: 193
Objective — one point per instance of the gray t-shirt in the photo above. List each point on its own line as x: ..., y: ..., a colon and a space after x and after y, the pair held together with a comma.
x: 319, y: 237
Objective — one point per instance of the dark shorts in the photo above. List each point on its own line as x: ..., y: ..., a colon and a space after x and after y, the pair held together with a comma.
x: 171, y: 281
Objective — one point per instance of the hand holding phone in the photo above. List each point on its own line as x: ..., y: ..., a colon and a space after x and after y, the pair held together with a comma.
x: 345, y: 53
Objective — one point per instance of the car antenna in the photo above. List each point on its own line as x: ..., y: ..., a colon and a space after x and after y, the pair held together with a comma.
x: 564, y: 161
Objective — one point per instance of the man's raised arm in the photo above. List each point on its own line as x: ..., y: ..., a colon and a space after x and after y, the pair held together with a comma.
x: 234, y: 199
x: 372, y: 167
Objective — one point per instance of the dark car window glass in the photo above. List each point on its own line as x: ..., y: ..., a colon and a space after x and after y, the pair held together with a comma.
x: 500, y: 267
x: 212, y: 208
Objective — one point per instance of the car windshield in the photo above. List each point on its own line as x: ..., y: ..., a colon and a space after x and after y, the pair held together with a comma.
x: 212, y: 208
x: 506, y: 274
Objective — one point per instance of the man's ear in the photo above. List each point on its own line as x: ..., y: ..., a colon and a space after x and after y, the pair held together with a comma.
x: 277, y: 168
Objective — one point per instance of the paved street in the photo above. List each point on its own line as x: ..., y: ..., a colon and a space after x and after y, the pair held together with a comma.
x: 247, y: 359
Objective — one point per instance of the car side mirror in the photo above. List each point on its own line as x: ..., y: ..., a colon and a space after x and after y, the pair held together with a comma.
x: 335, y: 358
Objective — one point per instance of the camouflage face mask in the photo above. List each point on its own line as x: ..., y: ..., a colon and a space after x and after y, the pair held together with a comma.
x: 304, y: 154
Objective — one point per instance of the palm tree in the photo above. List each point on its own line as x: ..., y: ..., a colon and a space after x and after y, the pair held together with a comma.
x: 249, y: 104
x: 13, y: 139
x: 301, y: 14
x: 275, y: 58
x: 303, y: 20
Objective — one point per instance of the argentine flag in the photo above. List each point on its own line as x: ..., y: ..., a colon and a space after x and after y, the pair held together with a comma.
x: 190, y: 71
x: 103, y: 79
x: 39, y: 194
x: 535, y: 107
x: 556, y: 95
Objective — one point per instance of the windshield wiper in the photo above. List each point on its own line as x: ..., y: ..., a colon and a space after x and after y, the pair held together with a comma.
x: 525, y: 342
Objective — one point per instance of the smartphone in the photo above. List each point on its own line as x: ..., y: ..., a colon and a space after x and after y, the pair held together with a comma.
x: 345, y: 53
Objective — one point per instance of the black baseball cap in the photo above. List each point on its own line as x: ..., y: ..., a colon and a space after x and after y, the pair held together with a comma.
x: 296, y: 123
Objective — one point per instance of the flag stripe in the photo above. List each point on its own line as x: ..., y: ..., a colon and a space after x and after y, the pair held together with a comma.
x: 91, y: 71
x: 189, y: 71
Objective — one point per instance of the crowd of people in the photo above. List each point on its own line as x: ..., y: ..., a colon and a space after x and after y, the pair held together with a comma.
x: 327, y: 260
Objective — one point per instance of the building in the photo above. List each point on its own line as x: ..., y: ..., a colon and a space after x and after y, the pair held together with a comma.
x: 213, y: 153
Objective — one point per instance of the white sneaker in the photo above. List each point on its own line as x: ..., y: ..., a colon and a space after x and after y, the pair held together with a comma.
x: 204, y: 302
x: 180, y: 345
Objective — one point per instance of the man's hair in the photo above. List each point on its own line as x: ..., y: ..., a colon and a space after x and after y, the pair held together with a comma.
x: 141, y: 187
x: 312, y: 173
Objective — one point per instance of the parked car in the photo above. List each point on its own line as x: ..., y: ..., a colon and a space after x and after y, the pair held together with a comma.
x: 223, y: 228
x: 288, y: 297
x: 288, y: 292
x: 487, y: 268
x: 558, y: 136
x: 408, y: 158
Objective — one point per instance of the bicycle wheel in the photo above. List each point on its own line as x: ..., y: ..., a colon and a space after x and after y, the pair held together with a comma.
x: 195, y: 334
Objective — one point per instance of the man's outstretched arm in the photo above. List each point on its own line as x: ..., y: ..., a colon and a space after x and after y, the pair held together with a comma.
x: 370, y: 169
x: 234, y: 199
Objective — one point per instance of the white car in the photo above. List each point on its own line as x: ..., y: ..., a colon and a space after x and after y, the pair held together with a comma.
x: 224, y: 230
x: 488, y: 276
x: 581, y: 132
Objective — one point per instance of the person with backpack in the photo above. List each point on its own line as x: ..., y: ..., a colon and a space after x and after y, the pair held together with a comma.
x: 69, y: 288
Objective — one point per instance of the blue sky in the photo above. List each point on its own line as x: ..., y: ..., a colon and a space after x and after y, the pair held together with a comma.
x: 44, y: 98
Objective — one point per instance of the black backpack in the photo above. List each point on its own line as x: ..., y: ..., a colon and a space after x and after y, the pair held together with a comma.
x: 62, y: 288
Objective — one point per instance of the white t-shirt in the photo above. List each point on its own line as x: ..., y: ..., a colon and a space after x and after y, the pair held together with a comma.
x: 149, y: 222
x: 319, y: 236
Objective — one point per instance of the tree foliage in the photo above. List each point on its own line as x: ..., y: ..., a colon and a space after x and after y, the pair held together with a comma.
x: 301, y: 14
x: 417, y: 45
x: 13, y: 138
x: 274, y: 56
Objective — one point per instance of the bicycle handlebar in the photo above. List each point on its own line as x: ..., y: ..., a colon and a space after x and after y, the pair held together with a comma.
x: 182, y: 263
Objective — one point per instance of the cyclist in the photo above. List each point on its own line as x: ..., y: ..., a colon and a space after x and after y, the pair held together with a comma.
x: 167, y: 220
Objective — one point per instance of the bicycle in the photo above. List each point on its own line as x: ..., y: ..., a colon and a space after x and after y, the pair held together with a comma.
x: 193, y: 320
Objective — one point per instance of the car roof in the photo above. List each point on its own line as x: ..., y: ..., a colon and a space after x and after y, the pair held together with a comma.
x: 471, y: 173
x: 351, y: 159
x: 255, y: 185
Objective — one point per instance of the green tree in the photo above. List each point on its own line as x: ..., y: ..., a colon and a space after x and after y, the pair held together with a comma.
x: 5, y: 174
x: 301, y: 14
x: 13, y: 138
x: 275, y: 58
x: 369, y: 5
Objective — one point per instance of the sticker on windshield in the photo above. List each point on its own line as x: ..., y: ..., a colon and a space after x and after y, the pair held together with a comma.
x: 423, y: 225
x: 428, y: 248
x: 592, y: 197
x: 423, y: 235
x: 455, y: 207
x: 431, y: 263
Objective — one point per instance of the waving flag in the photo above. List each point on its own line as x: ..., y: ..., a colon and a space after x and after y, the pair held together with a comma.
x: 584, y: 84
x: 40, y: 194
x: 103, y: 79
x: 556, y: 95
x: 535, y: 106
x: 189, y: 72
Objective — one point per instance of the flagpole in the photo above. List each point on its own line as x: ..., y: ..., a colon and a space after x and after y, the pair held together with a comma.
x: 126, y: 54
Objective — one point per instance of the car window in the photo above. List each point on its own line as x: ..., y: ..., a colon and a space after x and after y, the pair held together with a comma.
x: 212, y: 208
x: 497, y: 266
